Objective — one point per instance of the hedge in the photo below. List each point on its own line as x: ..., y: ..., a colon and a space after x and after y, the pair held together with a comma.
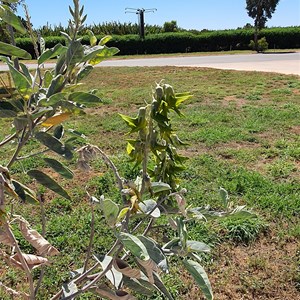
x: 223, y: 40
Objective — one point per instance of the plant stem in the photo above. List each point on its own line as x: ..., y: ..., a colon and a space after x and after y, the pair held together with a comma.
x: 8, y: 139
x: 84, y: 275
x: 89, y: 250
x: 145, y: 177
x: 24, y: 138
x: 18, y: 149
x: 13, y: 42
x: 115, y: 170
x: 90, y: 284
x: 33, y: 154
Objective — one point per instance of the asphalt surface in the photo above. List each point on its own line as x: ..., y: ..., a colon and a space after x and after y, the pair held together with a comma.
x: 285, y: 63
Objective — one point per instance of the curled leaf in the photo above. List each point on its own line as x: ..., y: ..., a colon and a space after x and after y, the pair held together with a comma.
x: 103, y: 291
x: 32, y: 261
x: 123, y: 267
x: 114, y: 276
x: 5, y: 238
x: 43, y: 247
x: 150, y: 267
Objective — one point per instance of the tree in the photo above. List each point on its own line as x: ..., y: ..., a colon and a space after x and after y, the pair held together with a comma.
x: 260, y: 11
x: 170, y: 26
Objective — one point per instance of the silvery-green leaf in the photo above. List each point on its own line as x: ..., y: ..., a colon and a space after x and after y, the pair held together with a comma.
x: 114, y: 276
x: 148, y: 206
x: 195, y: 246
x: 84, y: 72
x: 84, y: 98
x: 69, y: 289
x: 158, y: 187
x: 75, y: 53
x: 57, y: 50
x: 224, y: 196
x: 10, y: 18
x: 134, y: 245
x: 200, y: 276
x: 161, y: 287
x: 11, y: 50
x: 110, y: 211
x: 155, y: 253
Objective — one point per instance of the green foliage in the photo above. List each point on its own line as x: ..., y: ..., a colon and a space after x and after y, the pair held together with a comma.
x: 262, y: 45
x: 41, y: 104
x: 223, y: 40
x: 170, y: 26
x: 261, y: 11
x: 242, y: 230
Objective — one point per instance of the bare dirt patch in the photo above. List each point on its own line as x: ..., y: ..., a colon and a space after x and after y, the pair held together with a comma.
x: 295, y: 130
x: 261, y: 271
x: 239, y: 102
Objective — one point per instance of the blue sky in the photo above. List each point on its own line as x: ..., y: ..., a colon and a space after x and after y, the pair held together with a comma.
x: 189, y: 14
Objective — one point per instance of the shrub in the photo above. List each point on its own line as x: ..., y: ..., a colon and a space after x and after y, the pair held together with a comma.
x: 181, y: 42
x: 262, y: 45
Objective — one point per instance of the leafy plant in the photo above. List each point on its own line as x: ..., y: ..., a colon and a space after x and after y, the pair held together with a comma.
x: 42, y: 101
x: 242, y: 230
x: 262, y: 45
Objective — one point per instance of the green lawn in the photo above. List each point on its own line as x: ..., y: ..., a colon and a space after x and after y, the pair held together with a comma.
x: 243, y: 134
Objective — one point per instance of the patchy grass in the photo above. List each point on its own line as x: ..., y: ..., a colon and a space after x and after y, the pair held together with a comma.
x: 243, y: 134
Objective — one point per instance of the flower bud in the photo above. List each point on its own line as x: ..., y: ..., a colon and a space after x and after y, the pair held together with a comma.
x: 159, y: 91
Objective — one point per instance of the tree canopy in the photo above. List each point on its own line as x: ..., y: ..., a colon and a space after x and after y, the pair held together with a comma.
x: 261, y: 11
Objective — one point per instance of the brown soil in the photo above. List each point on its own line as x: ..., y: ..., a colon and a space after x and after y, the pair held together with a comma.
x: 265, y: 270
x: 239, y: 102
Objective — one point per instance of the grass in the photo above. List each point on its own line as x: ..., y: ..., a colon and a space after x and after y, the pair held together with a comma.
x: 243, y: 134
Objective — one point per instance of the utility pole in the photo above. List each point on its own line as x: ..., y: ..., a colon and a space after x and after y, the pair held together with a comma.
x: 140, y: 12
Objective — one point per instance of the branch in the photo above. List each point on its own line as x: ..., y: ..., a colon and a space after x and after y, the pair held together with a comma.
x: 85, y: 275
x: 92, y: 234
x: 8, y: 139
x: 33, y: 154
x: 90, y: 284
x: 114, y: 169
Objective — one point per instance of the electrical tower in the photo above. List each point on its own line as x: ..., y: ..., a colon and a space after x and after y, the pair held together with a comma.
x: 140, y: 12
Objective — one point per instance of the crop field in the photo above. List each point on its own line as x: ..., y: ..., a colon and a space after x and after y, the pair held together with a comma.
x: 242, y: 131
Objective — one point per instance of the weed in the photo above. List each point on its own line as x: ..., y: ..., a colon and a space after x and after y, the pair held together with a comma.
x: 257, y: 263
x: 242, y: 230
x: 281, y: 169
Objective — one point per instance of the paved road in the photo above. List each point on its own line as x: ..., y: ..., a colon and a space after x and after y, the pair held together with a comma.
x: 285, y: 63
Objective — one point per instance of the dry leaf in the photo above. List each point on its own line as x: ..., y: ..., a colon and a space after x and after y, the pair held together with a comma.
x: 43, y: 247
x: 181, y: 204
x: 5, y: 238
x: 149, y: 266
x: 57, y: 119
x: 13, y: 292
x: 118, y: 295
x: 32, y: 261
x: 125, y: 269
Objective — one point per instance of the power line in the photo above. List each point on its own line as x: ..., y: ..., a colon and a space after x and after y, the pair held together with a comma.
x: 140, y: 12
